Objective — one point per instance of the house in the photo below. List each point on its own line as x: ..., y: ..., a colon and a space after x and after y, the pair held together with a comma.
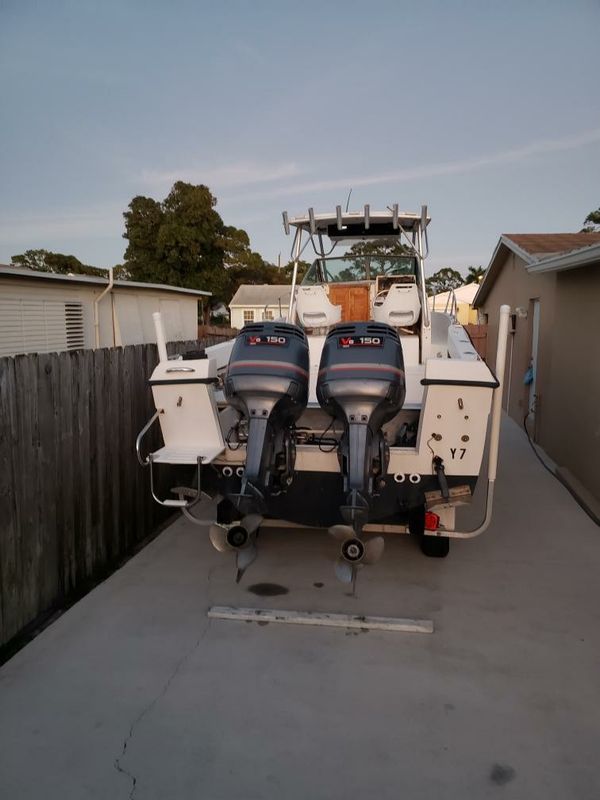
x: 45, y: 312
x: 463, y: 296
x: 254, y: 303
x: 552, y: 283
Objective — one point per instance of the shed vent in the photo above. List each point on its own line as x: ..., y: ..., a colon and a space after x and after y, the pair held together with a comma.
x: 40, y: 326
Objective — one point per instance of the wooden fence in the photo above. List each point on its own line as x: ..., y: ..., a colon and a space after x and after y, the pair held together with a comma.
x: 216, y: 331
x: 73, y: 499
x: 478, y: 334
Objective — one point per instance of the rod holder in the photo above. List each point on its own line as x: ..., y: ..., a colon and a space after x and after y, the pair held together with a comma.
x: 160, y: 336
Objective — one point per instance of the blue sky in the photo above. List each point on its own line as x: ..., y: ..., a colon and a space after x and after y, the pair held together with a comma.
x: 486, y: 111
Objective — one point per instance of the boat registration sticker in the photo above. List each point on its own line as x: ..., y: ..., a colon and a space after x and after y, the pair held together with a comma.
x: 277, y: 341
x: 359, y: 341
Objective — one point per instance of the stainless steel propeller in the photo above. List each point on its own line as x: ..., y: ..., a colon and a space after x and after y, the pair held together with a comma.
x: 354, y: 552
x: 239, y: 537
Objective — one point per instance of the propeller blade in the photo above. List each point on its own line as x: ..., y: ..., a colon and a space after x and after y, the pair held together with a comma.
x: 243, y: 559
x: 218, y: 537
x: 344, y: 571
x: 342, y: 532
x: 373, y: 550
x: 251, y: 522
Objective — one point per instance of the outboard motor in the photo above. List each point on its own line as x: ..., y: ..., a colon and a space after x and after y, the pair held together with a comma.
x: 361, y: 384
x: 267, y: 382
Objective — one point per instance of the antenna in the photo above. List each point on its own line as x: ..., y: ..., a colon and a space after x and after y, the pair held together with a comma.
x: 348, y: 200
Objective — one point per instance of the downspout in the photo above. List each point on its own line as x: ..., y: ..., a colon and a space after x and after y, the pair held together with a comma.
x: 96, y: 304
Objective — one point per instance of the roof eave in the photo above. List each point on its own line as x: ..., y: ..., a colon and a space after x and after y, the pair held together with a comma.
x: 566, y: 261
x: 490, y: 274
x: 93, y: 280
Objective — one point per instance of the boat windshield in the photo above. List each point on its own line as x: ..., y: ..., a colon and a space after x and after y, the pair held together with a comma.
x: 358, y: 268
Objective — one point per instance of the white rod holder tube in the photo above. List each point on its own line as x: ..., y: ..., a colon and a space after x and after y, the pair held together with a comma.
x: 296, y: 251
x: 497, y: 398
x: 160, y: 336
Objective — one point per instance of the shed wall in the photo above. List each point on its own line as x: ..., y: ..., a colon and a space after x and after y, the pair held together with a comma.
x: 132, y: 309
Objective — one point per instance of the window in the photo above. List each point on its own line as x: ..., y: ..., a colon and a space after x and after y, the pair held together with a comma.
x: 267, y: 315
x: 248, y: 315
x: 358, y: 268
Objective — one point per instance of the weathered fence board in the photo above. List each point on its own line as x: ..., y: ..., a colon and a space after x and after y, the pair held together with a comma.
x: 478, y: 334
x: 73, y: 499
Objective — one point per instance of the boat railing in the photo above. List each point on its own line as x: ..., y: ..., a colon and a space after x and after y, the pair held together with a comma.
x: 450, y: 305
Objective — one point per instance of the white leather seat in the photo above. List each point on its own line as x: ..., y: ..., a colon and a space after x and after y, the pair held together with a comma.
x: 314, y: 309
x: 400, y: 308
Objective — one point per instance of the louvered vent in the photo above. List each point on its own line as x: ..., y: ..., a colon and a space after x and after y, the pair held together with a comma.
x: 74, y: 322
x: 39, y: 326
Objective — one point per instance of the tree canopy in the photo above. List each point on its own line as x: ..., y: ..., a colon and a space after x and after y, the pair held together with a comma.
x: 47, y: 261
x: 374, y: 248
x: 444, y: 280
x: 184, y: 242
x: 591, y: 223
x: 474, y: 274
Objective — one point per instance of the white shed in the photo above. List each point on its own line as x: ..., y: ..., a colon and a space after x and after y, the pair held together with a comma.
x: 42, y: 312
x: 257, y: 302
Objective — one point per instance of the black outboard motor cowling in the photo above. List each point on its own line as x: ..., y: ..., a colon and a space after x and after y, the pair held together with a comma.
x: 361, y: 383
x: 267, y: 382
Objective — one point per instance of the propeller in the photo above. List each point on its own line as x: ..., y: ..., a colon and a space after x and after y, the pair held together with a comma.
x: 354, y: 552
x: 239, y: 537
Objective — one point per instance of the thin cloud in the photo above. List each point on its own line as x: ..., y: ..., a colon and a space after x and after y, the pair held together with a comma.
x: 460, y: 166
x: 237, y: 174
x: 70, y: 223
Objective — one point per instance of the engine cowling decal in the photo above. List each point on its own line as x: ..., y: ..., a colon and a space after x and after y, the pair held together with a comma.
x: 359, y: 341
x: 264, y: 339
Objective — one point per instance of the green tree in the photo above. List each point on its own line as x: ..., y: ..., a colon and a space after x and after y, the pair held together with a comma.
x: 58, y: 263
x: 177, y: 241
x: 184, y: 242
x: 474, y: 274
x: 285, y: 273
x: 443, y: 280
x: 374, y: 248
x: 591, y: 223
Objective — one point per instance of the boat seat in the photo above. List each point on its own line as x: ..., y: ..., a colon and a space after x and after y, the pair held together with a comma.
x: 314, y: 308
x: 400, y: 307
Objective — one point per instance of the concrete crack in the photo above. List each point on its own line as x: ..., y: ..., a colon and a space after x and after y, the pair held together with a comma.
x: 118, y: 762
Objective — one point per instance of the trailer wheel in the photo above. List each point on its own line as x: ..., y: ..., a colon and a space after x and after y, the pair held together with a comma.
x: 431, y: 546
x: 435, y: 546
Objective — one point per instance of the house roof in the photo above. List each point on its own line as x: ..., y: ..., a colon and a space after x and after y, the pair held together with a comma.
x: 542, y: 244
x: 7, y: 271
x: 262, y: 294
x: 463, y: 294
x: 541, y: 252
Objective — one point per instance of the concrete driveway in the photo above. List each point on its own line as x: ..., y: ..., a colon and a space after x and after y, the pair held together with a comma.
x: 134, y: 693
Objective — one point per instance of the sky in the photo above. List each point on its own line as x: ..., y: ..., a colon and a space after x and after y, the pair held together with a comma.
x: 487, y: 112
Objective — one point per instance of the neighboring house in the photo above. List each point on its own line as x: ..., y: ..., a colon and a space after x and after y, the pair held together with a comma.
x: 552, y: 283
x: 42, y: 312
x: 254, y: 303
x: 463, y: 295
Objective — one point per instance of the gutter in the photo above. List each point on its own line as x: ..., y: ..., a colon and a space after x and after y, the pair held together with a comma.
x: 111, y: 283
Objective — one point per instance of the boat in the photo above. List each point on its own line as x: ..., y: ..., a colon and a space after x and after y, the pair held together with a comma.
x: 361, y: 411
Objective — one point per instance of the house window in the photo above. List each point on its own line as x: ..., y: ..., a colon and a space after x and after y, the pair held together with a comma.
x: 267, y: 315
x: 248, y: 315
